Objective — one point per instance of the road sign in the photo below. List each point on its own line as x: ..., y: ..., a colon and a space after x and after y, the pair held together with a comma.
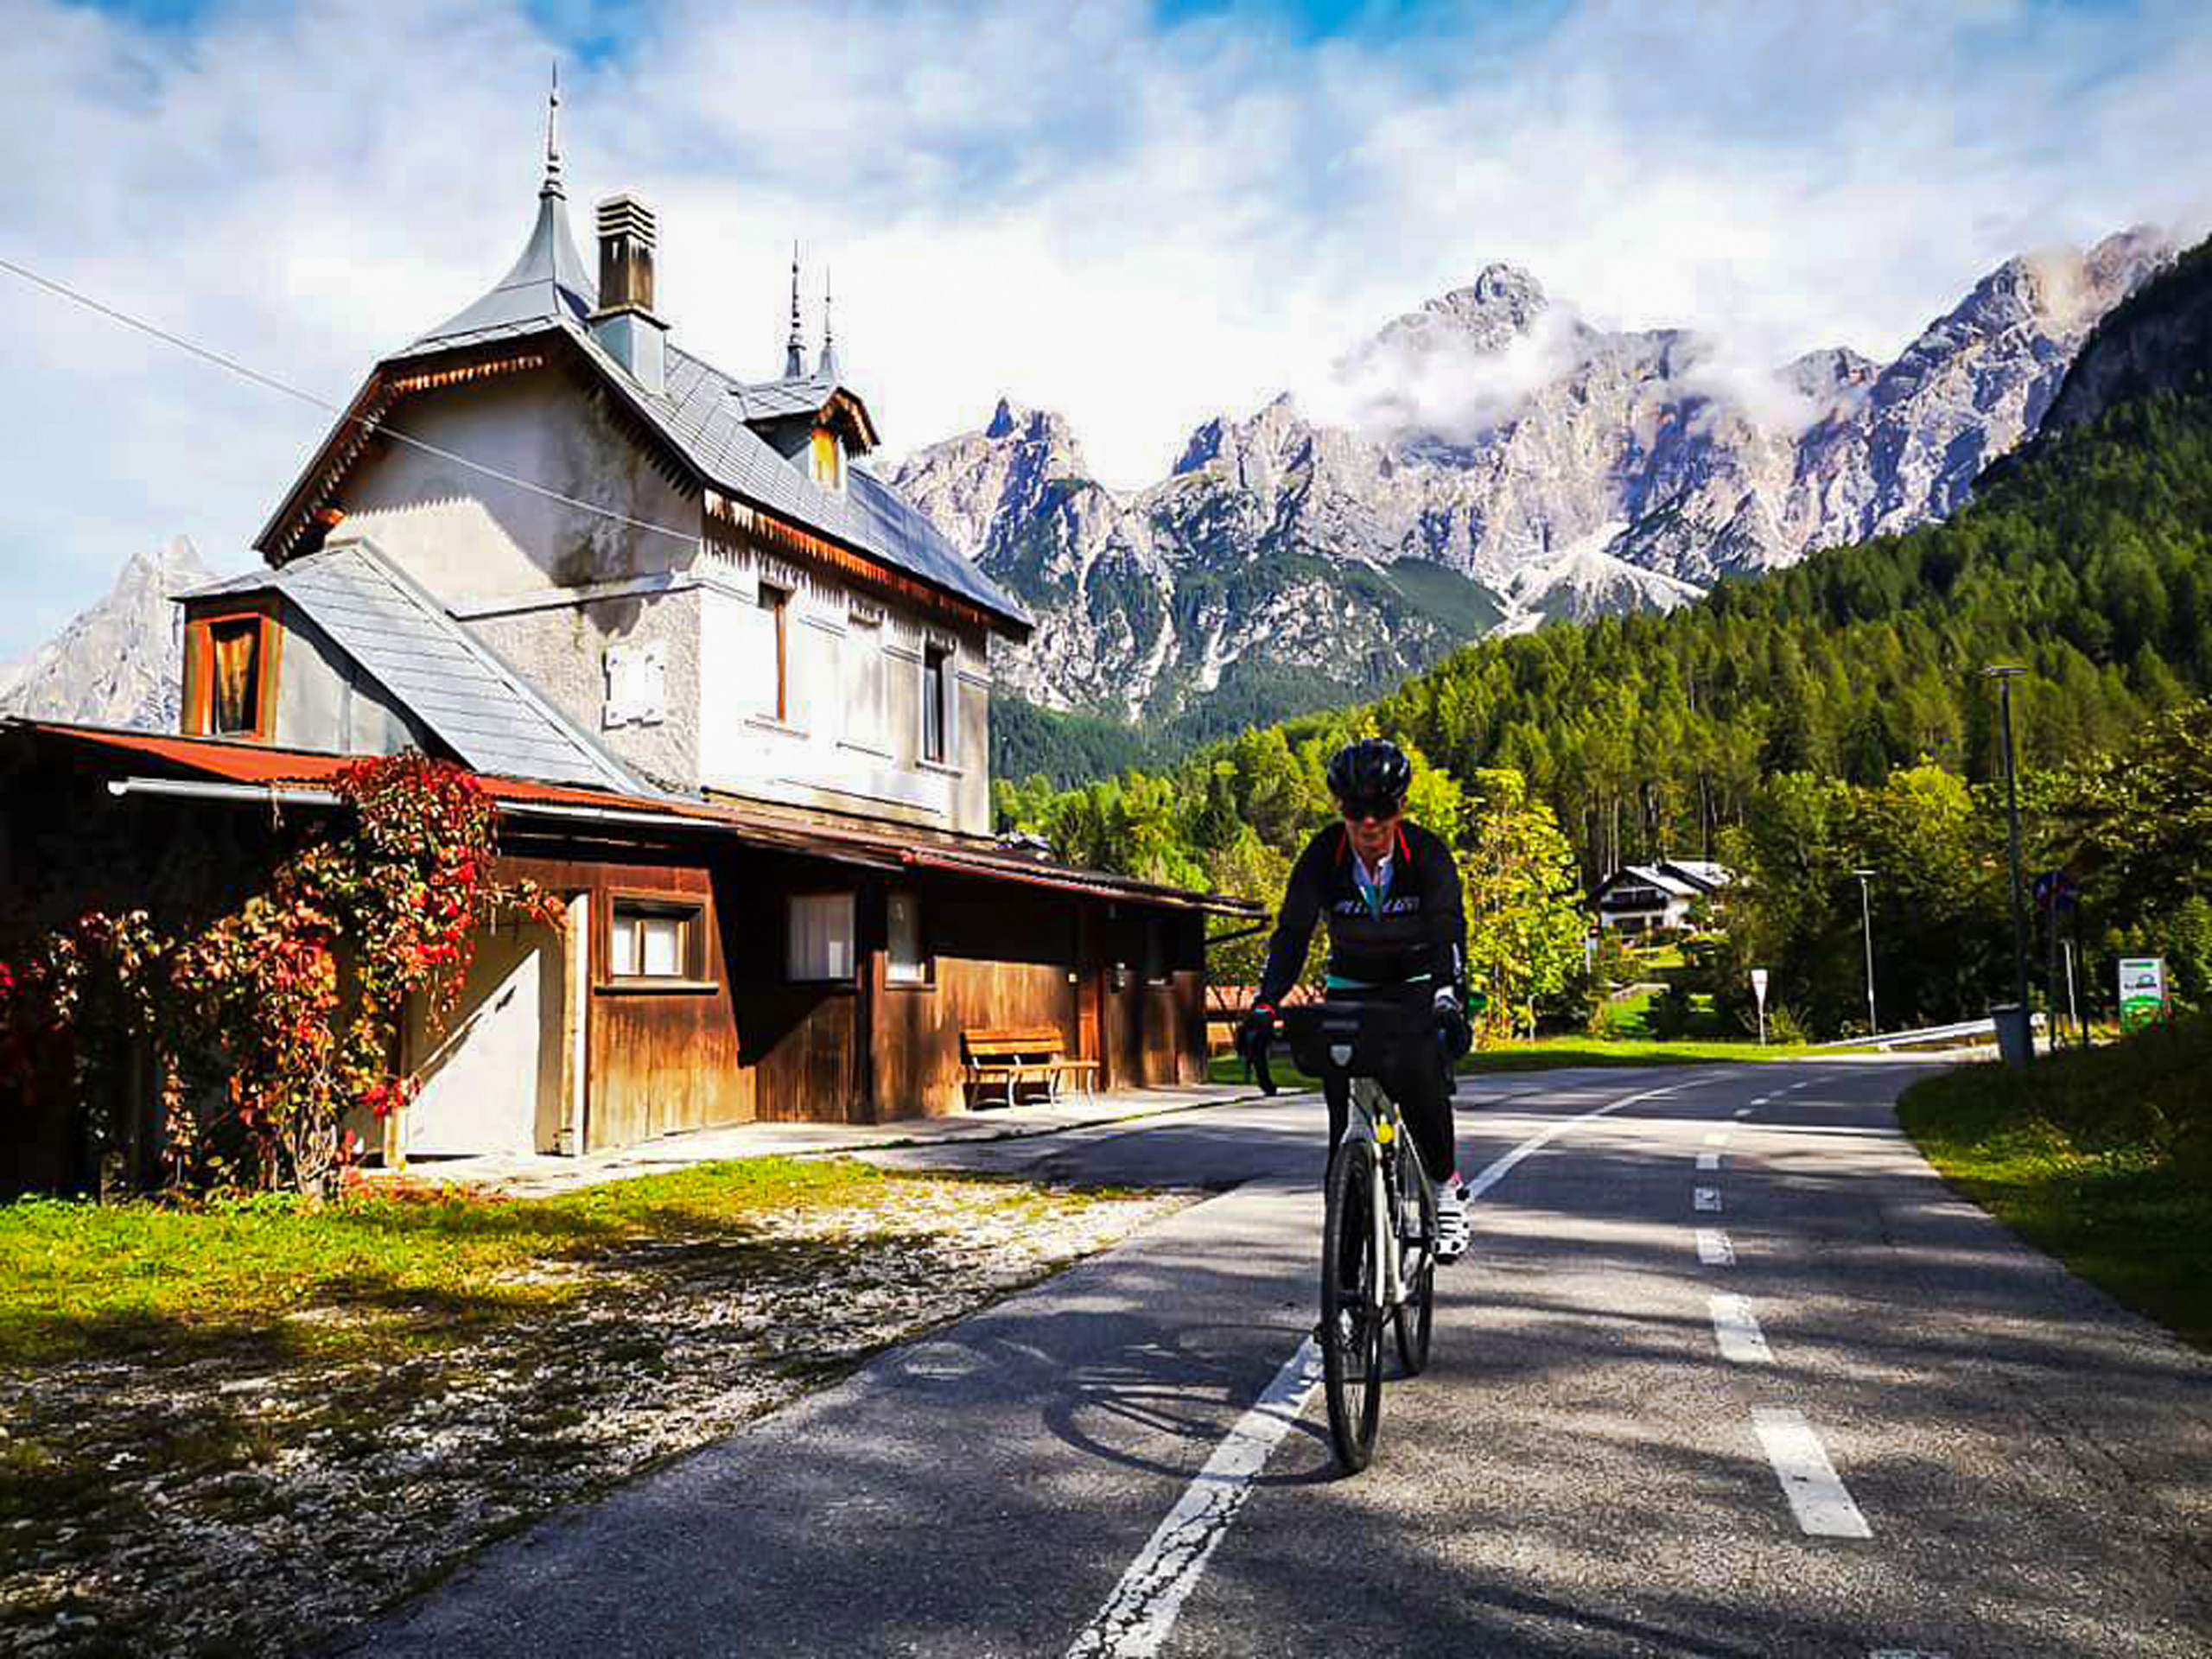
x: 1758, y: 989
x: 2142, y: 991
x: 2055, y: 890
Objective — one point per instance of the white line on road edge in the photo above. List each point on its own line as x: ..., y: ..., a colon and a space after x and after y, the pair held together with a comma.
x: 1738, y: 1332
x: 1817, y: 1497
x: 1707, y: 1198
x: 1135, y: 1621
x: 1714, y: 1248
x: 1708, y: 1161
x: 1716, y: 1138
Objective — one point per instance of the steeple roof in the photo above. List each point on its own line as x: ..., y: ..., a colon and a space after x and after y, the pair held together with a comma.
x: 549, y: 280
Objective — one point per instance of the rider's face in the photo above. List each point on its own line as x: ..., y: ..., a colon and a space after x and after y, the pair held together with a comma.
x: 1372, y: 827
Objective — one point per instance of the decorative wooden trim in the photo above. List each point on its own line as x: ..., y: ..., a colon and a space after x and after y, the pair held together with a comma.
x: 734, y: 525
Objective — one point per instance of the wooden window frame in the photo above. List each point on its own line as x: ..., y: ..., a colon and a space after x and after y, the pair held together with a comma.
x: 697, y: 912
x: 826, y: 458
x: 850, y: 979
x: 780, y: 620
x: 200, y: 669
x: 943, y: 658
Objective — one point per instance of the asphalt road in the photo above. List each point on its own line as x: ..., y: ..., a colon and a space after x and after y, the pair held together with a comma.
x: 1835, y: 1412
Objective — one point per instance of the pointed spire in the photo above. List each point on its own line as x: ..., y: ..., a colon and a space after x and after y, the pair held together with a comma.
x: 795, y: 347
x: 553, y: 186
x: 828, y: 368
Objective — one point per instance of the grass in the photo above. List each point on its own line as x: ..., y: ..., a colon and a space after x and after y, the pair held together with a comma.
x: 2102, y: 1159
x: 406, y: 1267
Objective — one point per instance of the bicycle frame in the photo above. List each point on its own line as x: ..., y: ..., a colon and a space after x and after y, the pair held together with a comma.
x: 1374, y: 1117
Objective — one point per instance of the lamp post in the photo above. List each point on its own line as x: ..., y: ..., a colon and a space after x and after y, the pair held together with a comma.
x: 2004, y: 674
x: 1867, y: 926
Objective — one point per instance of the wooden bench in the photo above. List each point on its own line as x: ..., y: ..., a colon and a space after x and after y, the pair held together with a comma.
x: 1013, y: 1056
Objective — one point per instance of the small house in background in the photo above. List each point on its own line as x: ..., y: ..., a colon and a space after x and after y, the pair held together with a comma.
x: 729, y: 691
x: 1639, y: 898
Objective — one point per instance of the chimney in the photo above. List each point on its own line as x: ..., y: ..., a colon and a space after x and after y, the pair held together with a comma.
x: 624, y: 323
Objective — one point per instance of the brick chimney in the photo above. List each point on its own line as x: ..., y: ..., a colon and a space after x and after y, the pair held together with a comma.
x: 624, y: 323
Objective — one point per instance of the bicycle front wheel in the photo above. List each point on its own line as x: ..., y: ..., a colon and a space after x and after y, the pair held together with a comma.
x: 1351, y: 1319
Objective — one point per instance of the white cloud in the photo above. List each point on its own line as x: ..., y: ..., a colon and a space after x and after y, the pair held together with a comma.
x: 1140, y: 227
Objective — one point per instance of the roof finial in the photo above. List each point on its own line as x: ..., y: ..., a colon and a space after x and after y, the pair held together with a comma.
x: 828, y: 369
x: 795, y: 347
x: 552, y: 187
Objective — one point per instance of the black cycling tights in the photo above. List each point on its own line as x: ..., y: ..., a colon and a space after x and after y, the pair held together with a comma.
x: 1422, y: 1088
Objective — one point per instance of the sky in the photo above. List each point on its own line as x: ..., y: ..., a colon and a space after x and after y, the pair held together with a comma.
x: 1140, y: 215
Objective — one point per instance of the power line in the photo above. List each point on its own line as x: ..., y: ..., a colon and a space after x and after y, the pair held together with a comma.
x: 272, y: 384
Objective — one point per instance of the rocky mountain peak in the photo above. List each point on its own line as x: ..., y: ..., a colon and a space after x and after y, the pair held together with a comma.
x: 122, y: 662
x: 1500, y: 304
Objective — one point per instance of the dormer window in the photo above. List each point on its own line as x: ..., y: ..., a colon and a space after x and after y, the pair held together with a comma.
x: 230, y: 675
x: 828, y: 454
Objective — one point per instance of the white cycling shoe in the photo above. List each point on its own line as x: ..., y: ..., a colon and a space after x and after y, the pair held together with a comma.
x: 1454, y: 1235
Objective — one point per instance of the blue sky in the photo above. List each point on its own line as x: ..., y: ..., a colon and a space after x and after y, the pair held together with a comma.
x: 1141, y: 214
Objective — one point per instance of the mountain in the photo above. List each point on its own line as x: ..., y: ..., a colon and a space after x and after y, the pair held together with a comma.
x: 1492, y: 462
x: 122, y: 662
x: 2159, y: 339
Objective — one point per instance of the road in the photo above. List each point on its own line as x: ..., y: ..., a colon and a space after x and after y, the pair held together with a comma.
x: 1825, y: 1409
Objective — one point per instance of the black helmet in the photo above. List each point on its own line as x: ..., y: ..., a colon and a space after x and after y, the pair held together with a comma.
x: 1372, y: 772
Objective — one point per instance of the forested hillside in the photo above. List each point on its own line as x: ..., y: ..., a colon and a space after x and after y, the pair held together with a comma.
x: 1835, y: 715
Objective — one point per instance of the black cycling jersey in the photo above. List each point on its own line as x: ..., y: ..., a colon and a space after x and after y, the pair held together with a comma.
x: 1415, y: 930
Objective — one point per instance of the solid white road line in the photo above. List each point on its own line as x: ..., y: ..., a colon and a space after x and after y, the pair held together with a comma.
x: 1707, y: 1198
x: 1136, y: 1618
x: 1708, y: 1161
x: 1714, y: 1248
x: 1738, y: 1332
x: 1716, y: 1138
x: 1817, y: 1497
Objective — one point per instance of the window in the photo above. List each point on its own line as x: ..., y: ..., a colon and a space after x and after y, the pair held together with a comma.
x: 231, y: 683
x: 819, y: 937
x: 865, y: 683
x: 904, y: 962
x: 647, y: 940
x: 828, y: 457
x: 774, y: 666
x: 1156, y: 969
x: 936, y: 702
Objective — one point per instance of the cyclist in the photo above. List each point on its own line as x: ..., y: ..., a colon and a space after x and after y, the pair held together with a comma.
x: 1397, y: 930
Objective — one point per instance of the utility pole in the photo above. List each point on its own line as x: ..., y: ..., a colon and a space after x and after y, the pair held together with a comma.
x: 2004, y: 674
x: 1867, y: 926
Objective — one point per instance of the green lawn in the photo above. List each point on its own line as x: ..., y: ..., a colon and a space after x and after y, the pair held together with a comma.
x: 406, y: 1268
x: 2103, y: 1158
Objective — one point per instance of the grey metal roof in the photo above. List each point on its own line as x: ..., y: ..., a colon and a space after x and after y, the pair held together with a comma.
x: 438, y: 670
x: 703, y: 414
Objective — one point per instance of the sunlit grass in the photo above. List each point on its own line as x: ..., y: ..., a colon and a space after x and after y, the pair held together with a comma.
x: 2102, y: 1159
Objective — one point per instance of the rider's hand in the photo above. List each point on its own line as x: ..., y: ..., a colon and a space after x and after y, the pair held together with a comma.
x: 1255, y: 1031
x: 1452, y: 1028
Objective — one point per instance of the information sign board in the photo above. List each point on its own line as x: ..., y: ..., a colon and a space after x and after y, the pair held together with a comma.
x: 2142, y: 991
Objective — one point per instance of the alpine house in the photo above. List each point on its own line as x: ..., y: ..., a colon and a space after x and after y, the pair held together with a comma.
x: 731, y: 692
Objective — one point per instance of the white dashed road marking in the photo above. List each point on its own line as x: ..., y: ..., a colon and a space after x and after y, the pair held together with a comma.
x: 1716, y: 1138
x: 1738, y: 1332
x: 1708, y: 1161
x: 1714, y: 1248
x: 1816, y: 1495
x: 1745, y: 1111
x: 1706, y: 1199
x: 1136, y: 1619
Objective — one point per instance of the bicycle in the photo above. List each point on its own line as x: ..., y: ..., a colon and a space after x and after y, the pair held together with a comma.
x: 1378, y: 1232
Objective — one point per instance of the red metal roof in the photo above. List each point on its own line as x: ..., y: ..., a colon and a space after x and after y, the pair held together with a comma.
x: 258, y: 764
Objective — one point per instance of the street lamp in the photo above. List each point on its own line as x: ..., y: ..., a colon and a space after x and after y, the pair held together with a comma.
x: 1866, y: 923
x: 2004, y: 674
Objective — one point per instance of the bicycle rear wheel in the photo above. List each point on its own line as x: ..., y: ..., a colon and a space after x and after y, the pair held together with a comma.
x: 1416, y: 1317
x: 1352, y: 1326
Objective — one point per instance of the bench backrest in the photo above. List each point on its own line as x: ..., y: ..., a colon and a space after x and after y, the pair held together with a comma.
x: 1012, y: 1042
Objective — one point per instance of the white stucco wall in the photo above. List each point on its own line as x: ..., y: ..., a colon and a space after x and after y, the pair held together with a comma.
x: 461, y: 533
x: 829, y: 752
